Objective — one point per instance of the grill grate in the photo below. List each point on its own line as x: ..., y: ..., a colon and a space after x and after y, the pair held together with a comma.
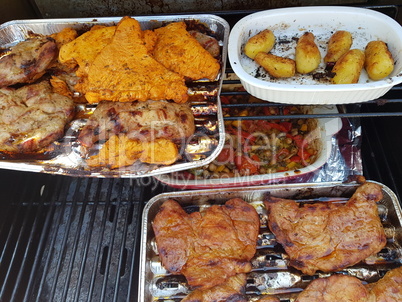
x: 69, y: 239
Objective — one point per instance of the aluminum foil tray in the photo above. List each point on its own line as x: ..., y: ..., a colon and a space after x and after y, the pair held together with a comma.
x: 270, y: 274
x: 201, y: 149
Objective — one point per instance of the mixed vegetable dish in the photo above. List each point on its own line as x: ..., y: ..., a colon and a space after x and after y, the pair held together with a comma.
x: 261, y: 145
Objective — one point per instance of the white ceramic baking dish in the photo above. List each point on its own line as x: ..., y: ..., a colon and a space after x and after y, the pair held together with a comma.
x: 287, y: 25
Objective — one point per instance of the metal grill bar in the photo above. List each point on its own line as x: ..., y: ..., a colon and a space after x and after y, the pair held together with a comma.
x: 58, y: 247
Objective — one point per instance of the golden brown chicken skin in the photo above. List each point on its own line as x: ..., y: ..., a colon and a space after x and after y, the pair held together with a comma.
x: 208, y: 247
x: 328, y: 236
x: 388, y: 288
x: 338, y: 287
x: 232, y: 290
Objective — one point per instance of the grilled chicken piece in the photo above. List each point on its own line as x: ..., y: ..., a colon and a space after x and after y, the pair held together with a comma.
x: 207, y: 247
x: 328, y: 236
x: 32, y: 117
x: 339, y: 288
x: 388, y: 288
x: 27, y: 61
x: 179, y: 51
x: 232, y: 290
x: 139, y: 120
x: 207, y: 42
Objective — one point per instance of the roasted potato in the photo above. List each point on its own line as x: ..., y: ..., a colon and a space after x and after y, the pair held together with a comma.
x: 262, y: 42
x: 339, y: 43
x: 308, y: 56
x: 348, y: 68
x: 379, y: 61
x: 276, y: 66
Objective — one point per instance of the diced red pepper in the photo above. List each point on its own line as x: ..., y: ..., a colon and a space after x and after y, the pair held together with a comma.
x: 299, y: 141
x: 295, y: 158
x: 304, y: 154
x: 287, y: 126
x: 245, y: 136
x: 247, y: 164
x: 225, y: 99
x: 225, y: 156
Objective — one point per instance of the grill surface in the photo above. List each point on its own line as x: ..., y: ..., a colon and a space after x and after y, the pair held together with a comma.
x: 68, y: 239
x: 77, y: 239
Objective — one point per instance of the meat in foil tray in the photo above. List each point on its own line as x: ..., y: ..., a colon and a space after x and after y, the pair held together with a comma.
x: 112, y: 97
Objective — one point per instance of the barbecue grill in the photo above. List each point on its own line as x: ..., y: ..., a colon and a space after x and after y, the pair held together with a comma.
x: 78, y: 239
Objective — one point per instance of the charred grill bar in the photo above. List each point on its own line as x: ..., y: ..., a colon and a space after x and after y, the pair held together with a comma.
x: 77, y: 239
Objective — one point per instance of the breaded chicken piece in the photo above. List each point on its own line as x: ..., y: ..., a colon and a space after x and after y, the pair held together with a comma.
x: 124, y: 71
x: 64, y: 36
x: 83, y: 50
x: 120, y: 151
x: 179, y: 51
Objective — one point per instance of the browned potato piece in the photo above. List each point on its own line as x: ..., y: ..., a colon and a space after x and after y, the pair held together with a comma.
x: 339, y: 43
x: 308, y: 56
x: 276, y: 66
x: 348, y: 68
x: 262, y: 42
x: 379, y: 62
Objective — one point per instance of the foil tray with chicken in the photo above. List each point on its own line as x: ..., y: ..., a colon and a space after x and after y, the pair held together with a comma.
x: 295, y: 243
x: 111, y: 97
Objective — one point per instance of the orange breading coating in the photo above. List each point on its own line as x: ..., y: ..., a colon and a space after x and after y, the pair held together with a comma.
x: 64, y: 36
x: 83, y: 50
x: 120, y: 151
x: 149, y: 38
x: 124, y: 71
x: 177, y: 50
x: 60, y: 86
x: 160, y: 151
